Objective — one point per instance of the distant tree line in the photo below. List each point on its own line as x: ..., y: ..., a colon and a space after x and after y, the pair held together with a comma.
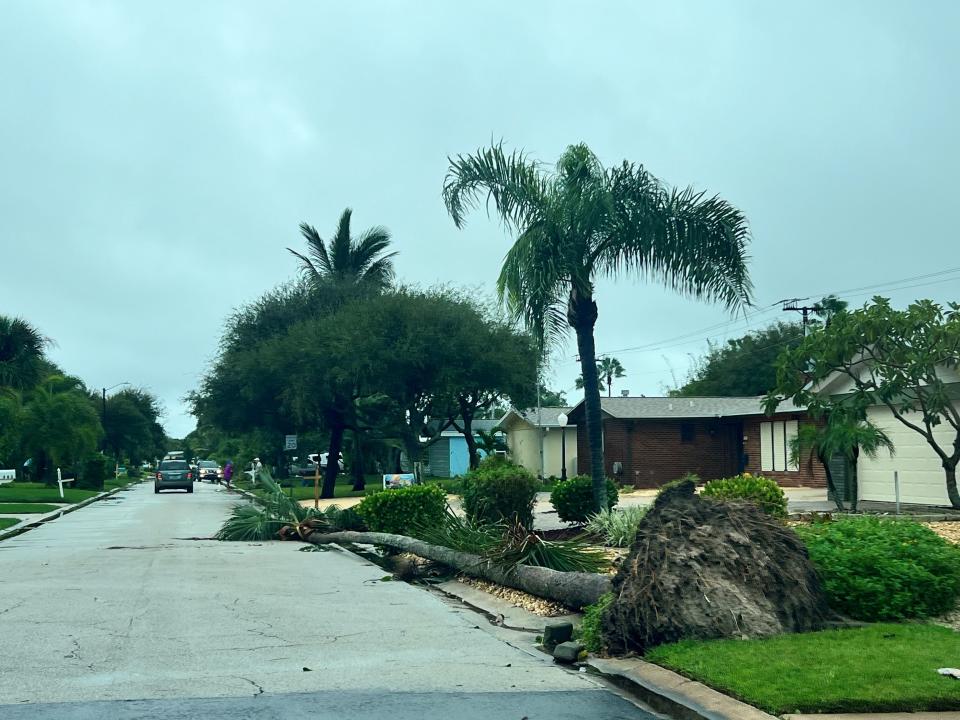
x: 50, y: 419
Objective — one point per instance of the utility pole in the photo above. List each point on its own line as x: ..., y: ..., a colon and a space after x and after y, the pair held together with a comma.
x: 791, y: 305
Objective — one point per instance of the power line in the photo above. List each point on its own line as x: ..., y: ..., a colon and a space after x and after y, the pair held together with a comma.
x: 696, y: 336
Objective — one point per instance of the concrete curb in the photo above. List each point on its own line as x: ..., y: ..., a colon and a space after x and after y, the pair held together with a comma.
x: 511, y: 617
x: 667, y: 692
x: 58, y: 513
x: 947, y: 715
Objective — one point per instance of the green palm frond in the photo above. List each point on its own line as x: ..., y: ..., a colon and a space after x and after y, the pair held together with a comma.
x: 363, y: 260
x: 514, y: 185
x: 250, y: 523
x: 21, y: 353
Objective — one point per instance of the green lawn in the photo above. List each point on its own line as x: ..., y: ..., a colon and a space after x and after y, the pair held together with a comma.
x: 25, y: 492
x: 880, y: 668
x: 8, y: 522
x: 25, y: 508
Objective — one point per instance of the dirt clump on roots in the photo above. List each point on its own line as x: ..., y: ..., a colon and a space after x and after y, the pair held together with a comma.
x: 702, y: 568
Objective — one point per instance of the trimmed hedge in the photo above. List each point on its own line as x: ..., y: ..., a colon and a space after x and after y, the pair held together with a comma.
x: 94, y: 472
x: 400, y: 511
x: 756, y: 489
x: 573, y: 498
x: 882, y: 569
x: 499, y: 491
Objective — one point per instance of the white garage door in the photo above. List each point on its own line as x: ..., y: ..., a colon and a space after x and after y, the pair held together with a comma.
x: 921, y: 475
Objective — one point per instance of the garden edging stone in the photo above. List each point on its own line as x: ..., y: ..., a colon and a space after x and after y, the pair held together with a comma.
x: 669, y: 692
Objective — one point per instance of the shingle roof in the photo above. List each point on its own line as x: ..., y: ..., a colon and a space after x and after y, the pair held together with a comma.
x: 548, y: 416
x: 685, y: 407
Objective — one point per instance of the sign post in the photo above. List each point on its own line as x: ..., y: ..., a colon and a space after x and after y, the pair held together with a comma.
x: 316, y: 485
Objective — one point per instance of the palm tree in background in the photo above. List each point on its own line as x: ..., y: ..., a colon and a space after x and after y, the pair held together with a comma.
x: 583, y: 222
x: 21, y: 353
x: 608, y: 368
x: 346, y: 260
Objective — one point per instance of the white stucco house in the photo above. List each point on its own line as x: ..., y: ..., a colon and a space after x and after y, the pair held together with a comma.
x: 535, y: 439
x: 919, y: 469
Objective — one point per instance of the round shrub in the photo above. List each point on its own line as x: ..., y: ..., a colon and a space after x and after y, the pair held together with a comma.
x: 881, y: 569
x: 399, y: 511
x: 756, y: 489
x: 573, y: 498
x: 499, y: 491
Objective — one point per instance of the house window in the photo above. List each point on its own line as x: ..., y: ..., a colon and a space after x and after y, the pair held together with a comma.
x: 686, y: 432
x: 775, y: 440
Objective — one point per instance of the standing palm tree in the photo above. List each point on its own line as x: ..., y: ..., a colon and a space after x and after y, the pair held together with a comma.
x: 21, y: 353
x: 608, y: 368
x: 583, y: 222
x: 347, y: 264
x: 346, y: 260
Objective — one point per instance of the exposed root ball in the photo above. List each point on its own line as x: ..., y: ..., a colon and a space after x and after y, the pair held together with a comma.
x: 701, y: 568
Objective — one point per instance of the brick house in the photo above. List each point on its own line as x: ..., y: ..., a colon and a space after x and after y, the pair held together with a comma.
x: 649, y: 441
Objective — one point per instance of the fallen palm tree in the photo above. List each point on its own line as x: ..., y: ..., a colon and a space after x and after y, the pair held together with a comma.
x: 573, y: 589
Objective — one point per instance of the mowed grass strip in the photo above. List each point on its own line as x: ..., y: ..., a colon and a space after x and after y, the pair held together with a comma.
x: 21, y: 492
x: 8, y: 522
x: 25, y: 508
x: 880, y: 668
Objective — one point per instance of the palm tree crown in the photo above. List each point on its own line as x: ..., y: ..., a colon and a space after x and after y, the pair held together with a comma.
x: 345, y: 259
x: 21, y: 353
x: 583, y: 222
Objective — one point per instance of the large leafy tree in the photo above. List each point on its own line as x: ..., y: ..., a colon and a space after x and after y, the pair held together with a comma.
x: 744, y: 365
x: 21, y: 353
x: 132, y: 425
x: 904, y: 360
x: 346, y: 260
x: 376, y: 366
x: 584, y: 222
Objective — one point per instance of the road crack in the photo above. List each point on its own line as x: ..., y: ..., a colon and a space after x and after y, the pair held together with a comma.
x: 258, y: 687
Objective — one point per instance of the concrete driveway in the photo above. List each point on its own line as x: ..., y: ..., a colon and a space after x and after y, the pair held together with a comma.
x: 120, y: 602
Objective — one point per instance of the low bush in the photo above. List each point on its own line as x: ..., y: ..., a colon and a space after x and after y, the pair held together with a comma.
x: 94, y: 472
x: 591, y: 627
x: 344, y: 519
x: 573, y: 498
x: 618, y: 528
x: 499, y: 491
x: 402, y: 510
x: 756, y: 489
x: 882, y: 569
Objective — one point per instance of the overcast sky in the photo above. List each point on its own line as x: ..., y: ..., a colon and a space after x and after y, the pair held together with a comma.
x: 157, y: 157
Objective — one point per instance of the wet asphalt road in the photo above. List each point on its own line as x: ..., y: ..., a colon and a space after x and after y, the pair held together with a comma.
x: 119, y: 611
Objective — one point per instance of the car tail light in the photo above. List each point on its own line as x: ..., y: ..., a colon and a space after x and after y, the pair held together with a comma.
x: 159, y: 476
x: 189, y: 476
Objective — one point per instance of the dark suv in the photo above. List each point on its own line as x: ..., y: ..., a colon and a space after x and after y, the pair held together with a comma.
x: 173, y: 474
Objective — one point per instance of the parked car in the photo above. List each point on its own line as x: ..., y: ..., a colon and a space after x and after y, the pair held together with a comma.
x: 209, y: 470
x: 324, y: 457
x: 309, y: 467
x: 173, y: 474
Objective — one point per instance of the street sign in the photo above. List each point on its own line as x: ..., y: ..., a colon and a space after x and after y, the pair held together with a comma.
x: 290, y: 442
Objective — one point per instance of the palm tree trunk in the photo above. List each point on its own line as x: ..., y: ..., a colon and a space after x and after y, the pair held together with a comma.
x: 333, y: 460
x: 609, y: 385
x: 573, y: 589
x: 582, y: 315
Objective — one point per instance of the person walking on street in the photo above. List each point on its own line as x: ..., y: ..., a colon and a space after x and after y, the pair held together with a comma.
x: 228, y: 472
